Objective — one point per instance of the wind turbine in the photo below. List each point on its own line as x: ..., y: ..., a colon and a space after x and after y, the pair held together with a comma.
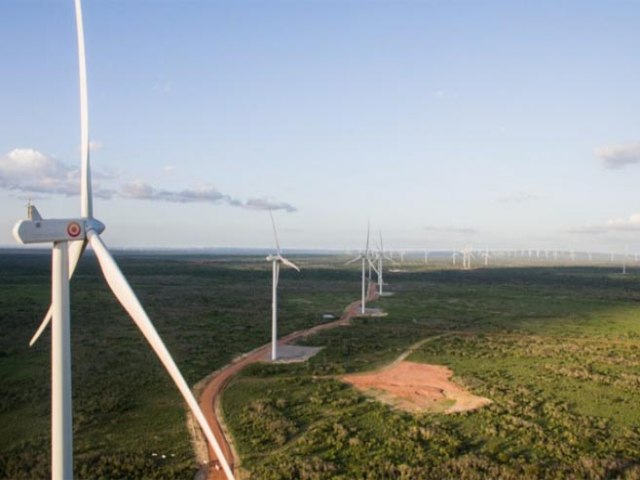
x: 70, y: 237
x: 486, y: 257
x: 467, y: 255
x: 276, y: 260
x: 364, y: 257
x: 381, y: 265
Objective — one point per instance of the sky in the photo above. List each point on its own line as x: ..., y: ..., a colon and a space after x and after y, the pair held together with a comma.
x: 492, y: 124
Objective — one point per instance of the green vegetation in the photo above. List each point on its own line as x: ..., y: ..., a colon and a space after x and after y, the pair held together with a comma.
x: 555, y: 349
x: 207, y: 309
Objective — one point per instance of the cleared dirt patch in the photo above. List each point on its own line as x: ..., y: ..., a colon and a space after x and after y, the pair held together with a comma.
x: 417, y: 387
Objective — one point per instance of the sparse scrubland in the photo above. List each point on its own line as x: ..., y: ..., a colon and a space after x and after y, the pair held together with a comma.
x: 556, y: 349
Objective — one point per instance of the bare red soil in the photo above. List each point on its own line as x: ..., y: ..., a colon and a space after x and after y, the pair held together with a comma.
x: 417, y: 387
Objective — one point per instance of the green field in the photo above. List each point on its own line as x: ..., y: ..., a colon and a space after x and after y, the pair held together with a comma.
x: 208, y: 310
x: 556, y: 349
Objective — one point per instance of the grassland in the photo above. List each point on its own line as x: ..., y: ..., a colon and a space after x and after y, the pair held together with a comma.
x: 556, y: 349
x: 207, y: 309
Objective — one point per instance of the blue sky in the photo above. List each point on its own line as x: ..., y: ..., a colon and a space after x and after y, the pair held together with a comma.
x: 446, y: 123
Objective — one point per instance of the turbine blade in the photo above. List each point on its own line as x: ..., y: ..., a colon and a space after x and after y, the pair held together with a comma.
x: 86, y: 196
x: 75, y: 252
x: 367, y: 246
x: 373, y: 266
x: 123, y: 292
x: 275, y: 232
x: 353, y: 260
x: 289, y: 263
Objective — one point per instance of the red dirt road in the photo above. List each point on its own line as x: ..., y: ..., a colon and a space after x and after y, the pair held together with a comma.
x: 210, y: 395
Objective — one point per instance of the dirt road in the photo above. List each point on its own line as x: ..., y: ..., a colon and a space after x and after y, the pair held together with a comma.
x: 209, y: 400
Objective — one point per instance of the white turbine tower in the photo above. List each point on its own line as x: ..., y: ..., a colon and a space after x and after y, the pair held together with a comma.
x: 364, y: 257
x: 381, y: 259
x: 486, y: 257
x: 69, y: 237
x: 276, y: 260
x: 467, y: 255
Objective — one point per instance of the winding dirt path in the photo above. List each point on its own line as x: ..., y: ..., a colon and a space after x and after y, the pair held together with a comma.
x: 210, y: 397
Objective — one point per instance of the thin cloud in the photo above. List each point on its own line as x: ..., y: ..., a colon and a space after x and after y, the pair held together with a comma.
x: 268, y: 204
x: 465, y: 230
x: 615, y: 157
x: 143, y: 191
x: 630, y: 224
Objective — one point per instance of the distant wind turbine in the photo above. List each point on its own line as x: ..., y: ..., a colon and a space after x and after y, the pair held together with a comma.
x: 381, y: 259
x: 363, y: 257
x: 276, y: 260
x: 70, y: 237
x: 467, y: 255
x: 486, y: 257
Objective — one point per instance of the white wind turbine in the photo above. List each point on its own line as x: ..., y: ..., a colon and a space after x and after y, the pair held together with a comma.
x: 70, y: 237
x: 364, y: 258
x: 276, y: 260
x: 381, y: 258
x: 486, y: 257
x: 467, y: 255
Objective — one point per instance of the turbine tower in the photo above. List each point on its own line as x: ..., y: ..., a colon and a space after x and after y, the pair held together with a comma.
x: 70, y: 237
x: 276, y: 260
x: 381, y: 265
x: 364, y: 257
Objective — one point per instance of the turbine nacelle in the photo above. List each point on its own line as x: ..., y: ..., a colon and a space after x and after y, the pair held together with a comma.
x: 38, y: 230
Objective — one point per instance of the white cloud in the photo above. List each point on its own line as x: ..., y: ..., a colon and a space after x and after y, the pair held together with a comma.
x: 618, y: 156
x: 32, y: 172
x: 28, y: 170
x: 631, y: 223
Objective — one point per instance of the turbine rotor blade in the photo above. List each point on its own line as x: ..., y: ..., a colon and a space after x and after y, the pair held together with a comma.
x: 373, y: 266
x: 353, y: 260
x: 367, y: 245
x: 275, y: 232
x: 123, y: 292
x: 289, y: 263
x: 86, y: 196
x: 75, y: 252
